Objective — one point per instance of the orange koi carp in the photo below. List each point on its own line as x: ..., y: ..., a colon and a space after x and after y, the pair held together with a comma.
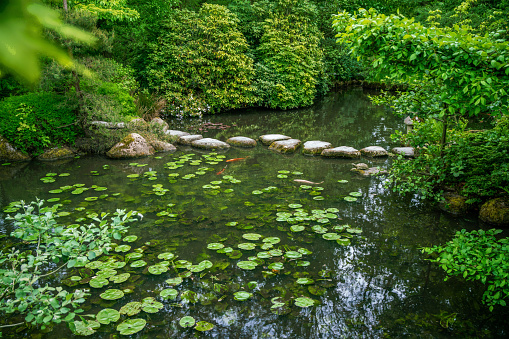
x: 236, y: 159
x: 307, y: 182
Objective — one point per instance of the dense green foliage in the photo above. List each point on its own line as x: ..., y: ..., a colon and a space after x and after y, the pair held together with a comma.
x: 199, y: 62
x: 475, y: 164
x: 480, y: 256
x: 36, y: 120
x: 22, y: 285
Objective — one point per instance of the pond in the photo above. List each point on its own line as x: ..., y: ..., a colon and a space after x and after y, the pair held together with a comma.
x: 250, y: 253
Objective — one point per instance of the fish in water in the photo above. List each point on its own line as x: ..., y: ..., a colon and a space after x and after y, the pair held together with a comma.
x: 236, y: 159
x: 307, y: 182
x: 221, y: 171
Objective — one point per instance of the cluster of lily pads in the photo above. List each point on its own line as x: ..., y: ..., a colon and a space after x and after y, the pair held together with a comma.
x: 259, y: 257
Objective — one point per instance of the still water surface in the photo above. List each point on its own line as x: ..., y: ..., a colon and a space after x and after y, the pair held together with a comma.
x: 372, y: 283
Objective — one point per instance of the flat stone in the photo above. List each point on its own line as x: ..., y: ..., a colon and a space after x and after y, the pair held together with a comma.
x: 404, y: 151
x: 9, y: 153
x: 162, y: 146
x: 374, y: 151
x: 175, y: 133
x: 268, y: 139
x: 361, y: 166
x: 160, y: 122
x: 315, y: 147
x: 369, y: 172
x: 209, y: 143
x: 285, y: 146
x: 188, y: 139
x: 241, y: 142
x: 341, y: 152
x: 132, y: 146
x: 57, y: 153
x: 109, y: 125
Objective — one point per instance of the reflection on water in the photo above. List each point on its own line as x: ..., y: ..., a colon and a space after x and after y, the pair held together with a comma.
x: 377, y: 286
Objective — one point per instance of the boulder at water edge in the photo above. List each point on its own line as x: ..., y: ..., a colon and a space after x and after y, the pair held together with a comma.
x: 454, y: 203
x: 341, y: 152
x: 188, y: 139
x: 404, y: 151
x: 7, y: 152
x: 315, y: 147
x: 162, y: 146
x: 209, y: 143
x: 242, y: 142
x: 132, y: 146
x: 369, y: 171
x: 160, y: 123
x: 57, y: 153
x: 285, y: 146
x: 374, y: 151
x: 268, y: 139
x: 495, y: 211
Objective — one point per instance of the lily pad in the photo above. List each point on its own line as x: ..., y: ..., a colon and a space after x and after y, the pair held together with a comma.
x: 203, y: 326
x: 272, y: 240
x: 107, y: 315
x: 112, y: 294
x: 174, y: 281
x: 130, y: 238
x: 331, y: 236
x: 295, y: 205
x: 247, y: 246
x: 350, y: 199
x: 297, y: 228
x: 343, y: 181
x: 263, y: 255
x: 169, y: 293
x: 215, y: 246
x: 138, y: 263
x: 166, y: 256
x: 242, y: 295
x: 247, y: 265
x: 355, y: 194
x: 187, y: 321
x: 133, y: 255
x: 150, y: 305
x: 278, y: 266
x: 86, y: 328
x: 305, y: 281
x: 98, y: 282
x: 293, y: 255
x: 131, y: 326
x: 122, y: 248
x: 252, y: 236
x: 189, y: 297
x: 276, y: 252
x: 120, y: 278
x: 343, y: 242
x: 131, y: 308
x: 304, y: 302
x: 157, y: 269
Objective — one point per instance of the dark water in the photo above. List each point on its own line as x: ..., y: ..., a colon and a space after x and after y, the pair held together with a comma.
x: 377, y: 286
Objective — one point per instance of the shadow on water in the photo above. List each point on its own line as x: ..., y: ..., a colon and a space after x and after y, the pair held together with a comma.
x: 375, y: 285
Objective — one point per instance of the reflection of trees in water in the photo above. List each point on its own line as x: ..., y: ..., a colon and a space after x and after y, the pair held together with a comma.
x: 341, y: 118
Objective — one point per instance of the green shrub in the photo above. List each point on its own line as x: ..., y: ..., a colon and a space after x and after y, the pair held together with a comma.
x: 34, y: 121
x: 290, y: 58
x: 479, y: 256
x: 199, y: 63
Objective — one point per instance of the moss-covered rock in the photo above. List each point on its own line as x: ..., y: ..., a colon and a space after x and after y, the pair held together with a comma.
x: 268, y: 139
x: 374, y: 151
x: 315, y: 147
x: 57, y: 153
x: 495, y: 211
x: 162, y: 146
x: 188, y: 139
x: 160, y: 123
x: 132, y: 146
x: 341, y: 152
x: 454, y: 203
x: 8, y: 152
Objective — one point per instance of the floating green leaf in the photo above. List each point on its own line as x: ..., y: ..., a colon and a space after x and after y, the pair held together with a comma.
x: 242, y: 295
x: 117, y: 279
x: 247, y: 265
x: 131, y: 308
x: 130, y: 238
x: 98, y: 282
x: 305, y: 281
x: 272, y: 240
x: 252, y: 236
x: 187, y: 321
x: 331, y: 236
x: 112, y: 294
x: 166, y: 256
x: 85, y: 328
x: 150, y: 305
x: 247, y: 246
x: 297, y: 228
x: 293, y: 255
x: 276, y: 266
x: 203, y: 326
x: 157, y: 269
x: 215, y: 246
x: 107, y: 315
x: 169, y: 293
x: 131, y: 326
x: 304, y: 302
x: 342, y: 181
x: 138, y: 263
x: 174, y: 281
x: 122, y: 248
x: 350, y: 199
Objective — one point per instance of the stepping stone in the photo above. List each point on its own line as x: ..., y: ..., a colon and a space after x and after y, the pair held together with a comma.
x: 242, y: 142
x: 188, y: 139
x: 374, y: 151
x: 404, y: 151
x: 315, y: 147
x: 209, y: 143
x: 369, y: 172
x: 175, y: 133
x: 285, y: 146
x: 341, y: 152
x: 268, y: 139
x: 162, y: 146
x: 57, y: 153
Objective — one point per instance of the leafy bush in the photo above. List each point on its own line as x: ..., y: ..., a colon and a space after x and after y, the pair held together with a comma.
x: 477, y: 255
x: 475, y: 163
x: 290, y: 58
x: 199, y: 62
x: 33, y: 121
